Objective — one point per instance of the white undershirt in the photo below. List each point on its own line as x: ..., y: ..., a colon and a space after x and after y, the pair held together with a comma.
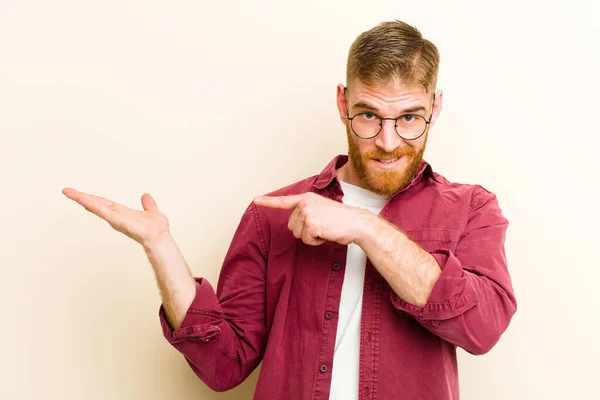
x: 344, y: 380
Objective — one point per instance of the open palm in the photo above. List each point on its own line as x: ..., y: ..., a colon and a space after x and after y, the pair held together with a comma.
x: 144, y: 226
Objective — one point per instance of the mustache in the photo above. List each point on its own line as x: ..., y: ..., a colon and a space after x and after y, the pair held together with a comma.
x: 396, y: 154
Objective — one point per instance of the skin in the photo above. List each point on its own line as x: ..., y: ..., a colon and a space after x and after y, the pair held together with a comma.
x: 390, y: 100
x: 410, y: 270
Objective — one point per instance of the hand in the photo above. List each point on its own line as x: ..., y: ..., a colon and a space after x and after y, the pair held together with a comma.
x: 145, y: 227
x: 316, y: 219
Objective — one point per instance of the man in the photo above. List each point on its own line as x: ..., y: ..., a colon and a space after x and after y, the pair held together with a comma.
x: 359, y: 282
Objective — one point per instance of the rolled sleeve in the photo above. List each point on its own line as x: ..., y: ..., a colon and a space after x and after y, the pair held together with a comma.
x: 199, y: 322
x: 473, y: 300
x: 452, y: 294
x: 223, y: 334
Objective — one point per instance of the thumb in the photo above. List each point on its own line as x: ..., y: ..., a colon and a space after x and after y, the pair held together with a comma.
x: 148, y: 203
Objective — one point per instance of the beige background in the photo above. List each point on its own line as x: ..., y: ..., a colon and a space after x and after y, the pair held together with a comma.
x: 206, y: 104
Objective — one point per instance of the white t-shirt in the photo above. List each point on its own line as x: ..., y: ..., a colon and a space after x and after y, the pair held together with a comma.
x: 344, y: 380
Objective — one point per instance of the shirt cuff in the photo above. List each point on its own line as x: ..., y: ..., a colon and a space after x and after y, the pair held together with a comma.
x: 199, y: 322
x: 452, y: 295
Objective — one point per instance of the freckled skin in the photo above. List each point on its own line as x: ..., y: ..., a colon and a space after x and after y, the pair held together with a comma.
x: 390, y: 100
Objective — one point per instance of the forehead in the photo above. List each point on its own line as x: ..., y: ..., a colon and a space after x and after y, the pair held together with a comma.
x: 387, y: 95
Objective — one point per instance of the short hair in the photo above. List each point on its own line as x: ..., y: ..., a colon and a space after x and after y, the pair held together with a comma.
x: 393, y: 52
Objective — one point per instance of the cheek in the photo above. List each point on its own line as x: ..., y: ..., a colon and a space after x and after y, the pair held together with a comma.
x: 365, y: 147
x: 415, y: 146
x: 418, y: 146
x: 356, y: 146
x: 362, y: 148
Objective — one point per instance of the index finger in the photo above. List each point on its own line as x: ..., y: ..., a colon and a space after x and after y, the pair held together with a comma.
x: 282, y: 202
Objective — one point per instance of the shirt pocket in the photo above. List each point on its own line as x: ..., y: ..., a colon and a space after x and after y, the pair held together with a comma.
x: 432, y: 239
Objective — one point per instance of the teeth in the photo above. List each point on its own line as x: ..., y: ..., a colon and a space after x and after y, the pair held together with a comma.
x: 388, y: 161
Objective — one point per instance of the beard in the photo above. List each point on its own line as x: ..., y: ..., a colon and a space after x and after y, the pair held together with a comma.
x: 383, y: 182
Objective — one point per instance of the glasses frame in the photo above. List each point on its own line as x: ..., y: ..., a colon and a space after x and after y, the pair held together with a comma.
x: 392, y: 119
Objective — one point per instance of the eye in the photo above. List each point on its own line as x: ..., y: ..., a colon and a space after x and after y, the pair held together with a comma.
x: 369, y: 116
x: 408, y: 118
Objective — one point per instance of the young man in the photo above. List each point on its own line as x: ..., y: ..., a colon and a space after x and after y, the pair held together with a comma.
x: 359, y: 282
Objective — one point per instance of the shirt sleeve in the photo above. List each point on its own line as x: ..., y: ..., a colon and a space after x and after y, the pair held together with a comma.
x: 223, y: 334
x: 473, y: 299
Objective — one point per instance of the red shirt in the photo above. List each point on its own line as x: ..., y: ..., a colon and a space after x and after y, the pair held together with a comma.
x: 277, y: 299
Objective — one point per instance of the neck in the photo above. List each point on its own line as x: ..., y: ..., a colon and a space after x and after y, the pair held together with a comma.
x: 346, y: 174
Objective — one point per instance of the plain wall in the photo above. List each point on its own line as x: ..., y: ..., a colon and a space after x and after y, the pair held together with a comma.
x: 207, y: 104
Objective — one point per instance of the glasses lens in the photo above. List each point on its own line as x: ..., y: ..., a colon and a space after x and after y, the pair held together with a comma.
x: 411, y: 126
x: 366, y: 125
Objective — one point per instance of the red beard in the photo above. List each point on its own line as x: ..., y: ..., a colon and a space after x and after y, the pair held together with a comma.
x: 384, y: 183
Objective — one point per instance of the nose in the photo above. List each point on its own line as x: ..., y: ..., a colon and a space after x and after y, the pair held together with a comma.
x: 388, y: 139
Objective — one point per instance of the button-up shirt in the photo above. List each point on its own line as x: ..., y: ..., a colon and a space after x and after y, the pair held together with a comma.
x: 277, y: 298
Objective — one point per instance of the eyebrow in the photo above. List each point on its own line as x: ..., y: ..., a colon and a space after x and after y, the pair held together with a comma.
x: 366, y: 106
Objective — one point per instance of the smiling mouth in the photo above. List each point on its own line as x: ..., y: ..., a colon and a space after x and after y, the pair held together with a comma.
x: 387, y: 164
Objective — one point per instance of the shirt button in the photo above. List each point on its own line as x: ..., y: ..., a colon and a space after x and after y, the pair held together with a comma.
x: 336, y: 266
x: 323, y: 368
x: 328, y: 315
x: 190, y: 330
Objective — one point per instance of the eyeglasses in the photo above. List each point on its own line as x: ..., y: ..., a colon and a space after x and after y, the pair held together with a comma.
x: 367, y: 125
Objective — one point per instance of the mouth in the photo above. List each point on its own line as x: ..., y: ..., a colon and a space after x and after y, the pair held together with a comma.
x: 389, y: 163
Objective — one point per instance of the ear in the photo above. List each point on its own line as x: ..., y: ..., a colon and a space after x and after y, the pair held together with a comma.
x: 341, y: 102
x: 437, y: 107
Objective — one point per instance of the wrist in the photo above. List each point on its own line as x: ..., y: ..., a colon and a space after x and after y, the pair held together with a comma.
x: 161, y: 240
x: 369, y: 226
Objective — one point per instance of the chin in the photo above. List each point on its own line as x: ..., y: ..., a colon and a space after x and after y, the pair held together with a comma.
x: 387, y: 183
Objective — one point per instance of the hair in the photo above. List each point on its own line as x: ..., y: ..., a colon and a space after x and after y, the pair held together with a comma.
x: 393, y: 52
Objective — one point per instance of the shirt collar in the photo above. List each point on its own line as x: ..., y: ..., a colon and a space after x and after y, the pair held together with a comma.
x: 329, y: 173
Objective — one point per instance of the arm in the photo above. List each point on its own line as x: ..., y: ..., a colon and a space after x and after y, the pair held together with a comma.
x: 410, y: 271
x: 466, y: 297
x: 223, y: 335
x: 174, y: 279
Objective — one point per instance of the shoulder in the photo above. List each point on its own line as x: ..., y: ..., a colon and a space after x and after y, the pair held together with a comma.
x: 475, y: 194
x: 299, y: 187
x: 268, y: 216
x: 265, y: 223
